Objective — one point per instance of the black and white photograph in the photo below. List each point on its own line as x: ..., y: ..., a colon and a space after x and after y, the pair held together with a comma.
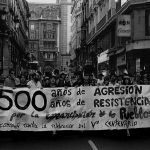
x: 74, y: 74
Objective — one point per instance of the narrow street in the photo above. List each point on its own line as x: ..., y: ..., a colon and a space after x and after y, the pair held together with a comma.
x: 98, y: 140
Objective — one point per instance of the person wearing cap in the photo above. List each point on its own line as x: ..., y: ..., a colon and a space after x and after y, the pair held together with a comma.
x: 113, y: 80
x: 100, y: 79
x: 126, y: 80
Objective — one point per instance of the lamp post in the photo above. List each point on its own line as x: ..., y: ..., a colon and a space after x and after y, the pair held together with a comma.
x: 4, y: 32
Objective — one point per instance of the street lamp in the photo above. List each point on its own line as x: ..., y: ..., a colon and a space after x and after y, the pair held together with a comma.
x: 4, y: 32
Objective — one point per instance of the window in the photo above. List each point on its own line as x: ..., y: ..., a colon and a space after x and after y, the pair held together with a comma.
x: 49, y: 44
x: 32, y: 26
x: 44, y: 34
x: 36, y: 26
x: 32, y: 35
x: 147, y: 22
x: 49, y: 34
x: 54, y: 26
x: 45, y: 44
x: 53, y: 35
x: 49, y: 26
x: 51, y: 56
x: 32, y: 45
x: 45, y: 55
x: 44, y: 25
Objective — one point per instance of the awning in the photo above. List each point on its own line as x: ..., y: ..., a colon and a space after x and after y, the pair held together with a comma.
x: 103, y: 57
x: 120, y: 51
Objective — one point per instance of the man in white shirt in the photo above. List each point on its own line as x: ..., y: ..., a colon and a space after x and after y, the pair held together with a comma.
x: 100, y: 79
x: 34, y: 83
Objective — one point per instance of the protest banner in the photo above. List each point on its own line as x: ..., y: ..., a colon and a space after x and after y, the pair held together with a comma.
x: 82, y: 108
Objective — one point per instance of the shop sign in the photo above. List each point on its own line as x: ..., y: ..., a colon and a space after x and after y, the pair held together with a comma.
x: 103, y: 57
x: 124, y: 26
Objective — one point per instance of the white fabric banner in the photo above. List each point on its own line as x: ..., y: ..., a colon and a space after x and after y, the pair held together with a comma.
x: 82, y: 108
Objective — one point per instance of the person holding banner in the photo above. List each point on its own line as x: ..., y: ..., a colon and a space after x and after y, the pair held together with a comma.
x: 11, y: 80
x: 145, y: 79
x: 126, y: 80
x: 23, y: 81
x: 34, y: 82
x: 52, y: 81
x: 100, y: 79
x: 113, y: 80
x: 106, y: 81
x: 61, y: 81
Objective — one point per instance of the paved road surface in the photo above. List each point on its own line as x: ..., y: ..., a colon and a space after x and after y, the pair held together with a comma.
x: 98, y: 140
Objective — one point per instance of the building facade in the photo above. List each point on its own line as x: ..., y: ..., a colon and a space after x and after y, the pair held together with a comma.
x: 14, y: 38
x: 65, y: 34
x: 44, y: 35
x: 103, y: 47
x: 76, y: 33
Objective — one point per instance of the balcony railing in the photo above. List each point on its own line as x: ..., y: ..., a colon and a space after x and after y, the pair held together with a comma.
x: 49, y: 59
x: 111, y: 12
x: 93, y: 32
x: 101, y: 23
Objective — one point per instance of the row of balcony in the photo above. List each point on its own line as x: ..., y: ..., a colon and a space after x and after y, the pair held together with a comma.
x: 100, y: 24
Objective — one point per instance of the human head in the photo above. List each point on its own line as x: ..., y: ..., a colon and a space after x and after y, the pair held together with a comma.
x: 100, y: 76
x: 112, y: 77
x: 35, y: 77
x: 145, y: 79
x: 46, y: 80
x: 126, y: 80
x: 56, y: 72
x: 12, y: 73
x: 119, y: 80
x: 23, y: 78
x: 62, y: 76
x: 138, y: 78
x: 67, y: 78
x: 52, y: 79
x: 40, y: 75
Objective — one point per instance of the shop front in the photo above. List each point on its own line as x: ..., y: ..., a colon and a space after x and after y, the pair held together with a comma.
x: 103, y: 62
x: 137, y: 57
x: 138, y: 61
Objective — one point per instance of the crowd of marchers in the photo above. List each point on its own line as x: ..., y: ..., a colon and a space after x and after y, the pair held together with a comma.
x: 62, y: 79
